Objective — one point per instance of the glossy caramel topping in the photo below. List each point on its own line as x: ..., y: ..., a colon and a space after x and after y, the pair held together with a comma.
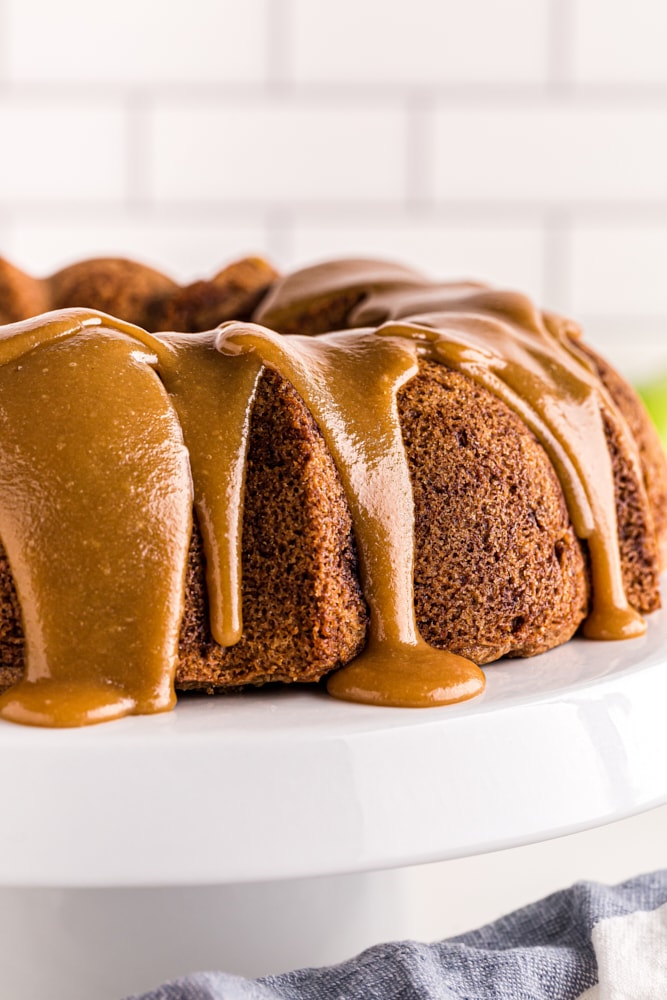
x: 527, y: 358
x: 349, y: 382
x: 560, y: 401
x: 213, y: 400
x: 387, y: 291
x: 97, y: 491
x: 333, y: 277
x: 95, y: 515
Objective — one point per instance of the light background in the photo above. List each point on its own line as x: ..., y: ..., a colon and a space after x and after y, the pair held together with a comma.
x: 522, y: 142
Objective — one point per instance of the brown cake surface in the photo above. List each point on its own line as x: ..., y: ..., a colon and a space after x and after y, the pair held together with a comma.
x: 137, y: 293
x: 303, y: 610
x: 498, y: 567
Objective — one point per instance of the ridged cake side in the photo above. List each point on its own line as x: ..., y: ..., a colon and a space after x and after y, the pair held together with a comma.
x: 498, y: 568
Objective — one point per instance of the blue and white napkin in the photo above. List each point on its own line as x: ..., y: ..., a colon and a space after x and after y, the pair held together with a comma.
x: 590, y: 942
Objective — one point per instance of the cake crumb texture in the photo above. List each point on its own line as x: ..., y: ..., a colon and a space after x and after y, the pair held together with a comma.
x: 498, y: 568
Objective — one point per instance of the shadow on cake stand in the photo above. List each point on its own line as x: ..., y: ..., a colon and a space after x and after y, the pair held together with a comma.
x: 267, y: 830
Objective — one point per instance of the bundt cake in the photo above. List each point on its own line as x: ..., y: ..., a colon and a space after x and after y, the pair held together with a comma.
x: 449, y: 477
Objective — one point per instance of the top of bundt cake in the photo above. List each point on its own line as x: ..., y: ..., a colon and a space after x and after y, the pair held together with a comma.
x: 111, y: 434
x: 138, y: 294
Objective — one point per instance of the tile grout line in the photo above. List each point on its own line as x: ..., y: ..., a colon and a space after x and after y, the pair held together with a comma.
x: 419, y: 153
x: 279, y: 235
x: 137, y: 120
x: 280, y: 86
x: 4, y: 37
x: 649, y: 214
x: 620, y: 321
x: 556, y: 270
x: 278, y: 25
x: 560, y: 46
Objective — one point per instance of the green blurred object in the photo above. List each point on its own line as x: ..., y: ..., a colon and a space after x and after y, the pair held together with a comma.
x: 654, y: 396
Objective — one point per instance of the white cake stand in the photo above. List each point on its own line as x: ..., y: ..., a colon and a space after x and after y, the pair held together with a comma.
x: 291, y: 785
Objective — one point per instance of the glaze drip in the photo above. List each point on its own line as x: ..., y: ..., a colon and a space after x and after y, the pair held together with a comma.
x: 126, y: 430
x: 559, y: 401
x: 349, y: 381
x: 213, y: 401
x: 530, y: 360
x: 96, y: 456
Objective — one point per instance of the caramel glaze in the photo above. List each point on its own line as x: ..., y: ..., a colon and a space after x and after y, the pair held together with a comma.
x: 529, y: 359
x: 96, y: 492
x: 349, y: 381
x: 95, y: 515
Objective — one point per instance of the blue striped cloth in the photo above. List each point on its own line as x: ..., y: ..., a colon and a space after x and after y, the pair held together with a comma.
x: 590, y: 942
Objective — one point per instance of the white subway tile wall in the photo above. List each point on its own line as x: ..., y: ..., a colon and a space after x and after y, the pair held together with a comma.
x: 620, y: 41
x: 136, y: 41
x: 65, y: 151
x: 277, y: 152
x: 523, y: 142
x: 185, y: 248
x: 421, y: 42
x: 504, y: 255
x: 550, y: 153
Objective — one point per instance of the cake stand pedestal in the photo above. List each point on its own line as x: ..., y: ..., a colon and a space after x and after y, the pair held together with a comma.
x: 249, y: 832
